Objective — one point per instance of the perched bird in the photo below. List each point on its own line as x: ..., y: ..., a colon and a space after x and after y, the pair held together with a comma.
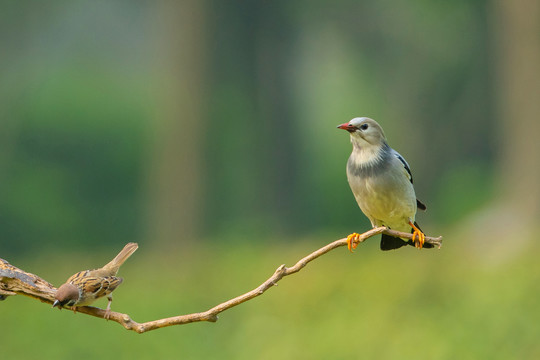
x: 382, y: 184
x: 84, y: 287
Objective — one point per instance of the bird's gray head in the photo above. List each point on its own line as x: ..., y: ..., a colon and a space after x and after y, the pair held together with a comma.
x: 365, y: 132
x: 67, y: 294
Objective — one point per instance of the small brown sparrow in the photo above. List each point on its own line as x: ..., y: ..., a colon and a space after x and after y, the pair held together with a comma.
x: 84, y: 287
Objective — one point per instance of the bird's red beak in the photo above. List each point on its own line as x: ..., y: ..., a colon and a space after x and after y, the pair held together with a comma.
x: 347, y: 127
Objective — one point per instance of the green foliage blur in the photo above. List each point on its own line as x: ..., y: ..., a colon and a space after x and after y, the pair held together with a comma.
x: 206, y: 132
x: 79, y: 97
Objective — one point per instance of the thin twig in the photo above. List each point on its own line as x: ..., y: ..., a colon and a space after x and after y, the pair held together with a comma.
x: 15, y: 281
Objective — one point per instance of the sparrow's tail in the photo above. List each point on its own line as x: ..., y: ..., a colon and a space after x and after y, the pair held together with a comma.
x: 114, y: 265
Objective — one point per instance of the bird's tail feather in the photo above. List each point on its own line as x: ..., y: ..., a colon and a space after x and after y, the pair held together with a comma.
x: 390, y: 243
x: 122, y: 256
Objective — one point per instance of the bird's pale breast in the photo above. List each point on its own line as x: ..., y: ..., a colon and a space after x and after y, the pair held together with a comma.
x: 385, y: 195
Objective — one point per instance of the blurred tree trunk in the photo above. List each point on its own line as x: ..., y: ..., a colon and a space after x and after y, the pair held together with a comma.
x: 255, y: 168
x: 501, y: 230
x: 517, y: 29
x: 273, y: 50
x: 175, y: 160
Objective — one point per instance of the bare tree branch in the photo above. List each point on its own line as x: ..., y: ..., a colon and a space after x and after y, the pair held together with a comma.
x: 16, y: 281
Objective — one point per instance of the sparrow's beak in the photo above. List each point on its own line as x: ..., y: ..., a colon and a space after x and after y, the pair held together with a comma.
x: 56, y: 303
x: 347, y: 127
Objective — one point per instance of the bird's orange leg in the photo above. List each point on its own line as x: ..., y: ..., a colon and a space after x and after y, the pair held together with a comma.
x: 417, y: 233
x: 352, y: 241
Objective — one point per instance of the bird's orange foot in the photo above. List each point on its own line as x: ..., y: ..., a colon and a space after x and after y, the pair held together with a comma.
x: 352, y: 241
x: 418, y: 236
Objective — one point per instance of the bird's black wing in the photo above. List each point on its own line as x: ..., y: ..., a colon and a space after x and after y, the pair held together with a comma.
x: 405, y: 164
x: 419, y: 204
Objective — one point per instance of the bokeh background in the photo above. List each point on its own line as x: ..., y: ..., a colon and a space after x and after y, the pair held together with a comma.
x: 206, y: 132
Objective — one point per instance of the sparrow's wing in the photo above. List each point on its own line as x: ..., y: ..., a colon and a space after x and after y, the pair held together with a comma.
x: 75, y: 278
x: 99, y: 286
x: 108, y: 284
x: 419, y: 204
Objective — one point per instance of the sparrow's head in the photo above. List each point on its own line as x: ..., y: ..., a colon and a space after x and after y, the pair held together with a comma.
x: 364, y: 132
x: 67, y: 294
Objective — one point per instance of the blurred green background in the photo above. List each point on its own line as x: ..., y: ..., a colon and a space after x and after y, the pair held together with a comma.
x: 206, y: 132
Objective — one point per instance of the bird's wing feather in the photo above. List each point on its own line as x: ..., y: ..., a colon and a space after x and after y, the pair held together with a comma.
x: 93, y: 285
x: 405, y: 164
x: 420, y: 205
x: 75, y: 277
x: 101, y: 286
x: 108, y: 284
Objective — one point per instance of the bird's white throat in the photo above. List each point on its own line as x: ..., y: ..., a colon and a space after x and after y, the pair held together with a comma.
x: 367, y: 156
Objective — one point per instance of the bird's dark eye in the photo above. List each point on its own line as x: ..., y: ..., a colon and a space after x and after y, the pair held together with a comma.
x: 363, y: 127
